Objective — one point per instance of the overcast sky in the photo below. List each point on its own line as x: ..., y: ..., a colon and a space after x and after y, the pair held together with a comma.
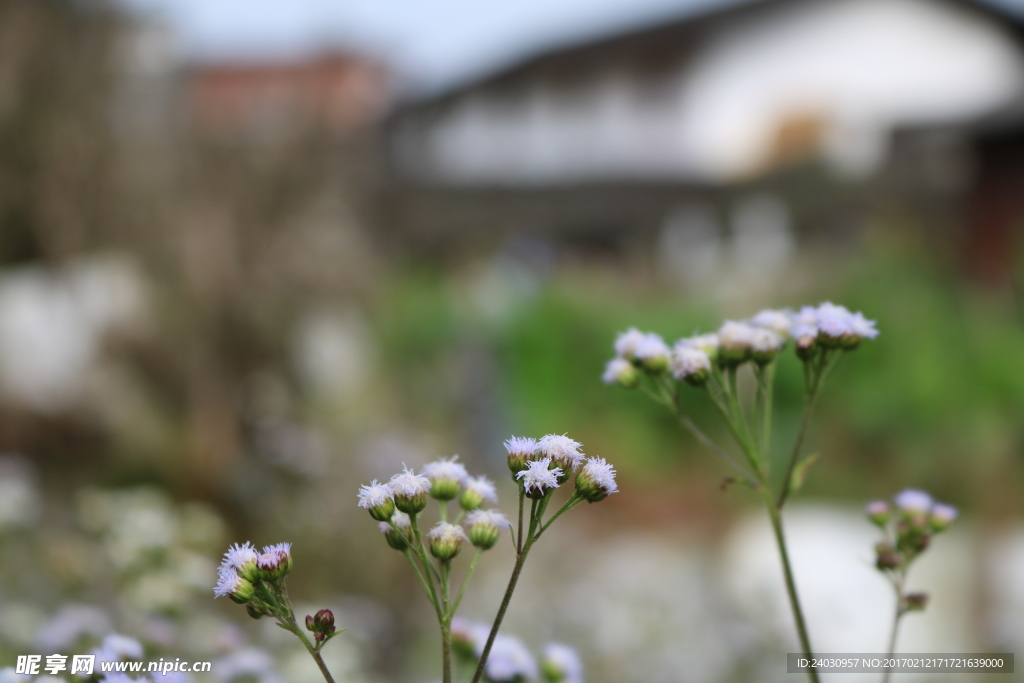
x: 431, y: 41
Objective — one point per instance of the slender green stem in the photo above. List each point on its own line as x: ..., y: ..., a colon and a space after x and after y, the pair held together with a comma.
x: 446, y: 651
x: 428, y: 568
x: 573, y: 501
x: 465, y: 582
x: 423, y: 581
x: 794, y: 601
x: 443, y: 510
x: 797, y: 445
x: 519, y: 534
x: 516, y: 570
x: 290, y: 625
x: 446, y: 621
x: 897, y: 584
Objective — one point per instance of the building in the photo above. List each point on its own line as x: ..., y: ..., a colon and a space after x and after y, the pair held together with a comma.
x: 765, y: 117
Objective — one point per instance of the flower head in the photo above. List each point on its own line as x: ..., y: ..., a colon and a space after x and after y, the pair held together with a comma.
x: 839, y: 328
x: 778, y: 322
x: 879, y: 512
x: 485, y: 527
x: 561, y: 664
x: 275, y: 562
x: 942, y: 516
x: 764, y: 344
x: 241, y: 559
x: 378, y: 499
x: 627, y: 342
x: 445, y: 540
x: 620, y: 371
x: 565, y: 453
x: 538, y: 479
x: 690, y: 364
x: 735, y: 340
x: 478, y: 489
x: 410, y: 491
x: 708, y: 343
x: 230, y: 584
x: 596, y: 480
x: 397, y: 532
x: 521, y: 450
x: 913, y: 501
x: 466, y: 635
x: 509, y: 661
x: 653, y: 353
x: 446, y: 477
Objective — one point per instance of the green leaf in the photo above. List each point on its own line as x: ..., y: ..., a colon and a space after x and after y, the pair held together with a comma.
x: 800, y: 472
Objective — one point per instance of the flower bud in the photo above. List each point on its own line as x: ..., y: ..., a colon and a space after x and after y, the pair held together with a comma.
x: 467, y: 636
x: 446, y: 477
x: 913, y: 503
x: 445, y: 541
x: 560, y: 664
x: 886, y: 557
x: 275, y: 562
x: 627, y: 342
x: 653, y: 354
x: 735, y: 342
x: 410, y: 491
x: 915, y: 602
x: 398, y: 532
x: 879, y: 512
x: 478, y: 489
x: 485, y: 527
x: 256, y: 610
x: 309, y: 622
x: 324, y: 621
x: 596, y: 480
x: 378, y: 499
x: 620, y: 371
x: 243, y: 591
x: 521, y: 452
x: 942, y: 516
x: 765, y: 345
x: 690, y: 364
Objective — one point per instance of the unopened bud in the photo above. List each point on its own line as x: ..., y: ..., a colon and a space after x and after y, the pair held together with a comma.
x: 397, y: 531
x: 915, y: 602
x: 256, y: 610
x: 886, y: 557
x: 478, y: 489
x: 942, y: 516
x: 275, y: 562
x: 879, y: 512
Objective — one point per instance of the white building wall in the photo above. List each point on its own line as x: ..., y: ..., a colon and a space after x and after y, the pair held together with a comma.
x: 861, y: 66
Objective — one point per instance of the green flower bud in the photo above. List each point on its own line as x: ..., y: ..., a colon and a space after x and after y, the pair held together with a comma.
x: 410, y: 491
x: 445, y: 541
x: 478, y: 489
x: 485, y: 527
x: 915, y: 602
x: 398, y: 533
x: 596, y: 480
x: 879, y: 512
x: 521, y: 452
x: 378, y: 500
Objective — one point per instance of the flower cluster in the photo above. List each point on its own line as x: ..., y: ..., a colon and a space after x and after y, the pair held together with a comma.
x: 257, y: 580
x: 816, y: 331
x: 541, y: 465
x: 909, y: 523
x: 510, y: 660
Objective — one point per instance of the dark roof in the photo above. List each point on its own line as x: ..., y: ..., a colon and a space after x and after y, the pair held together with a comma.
x: 663, y: 44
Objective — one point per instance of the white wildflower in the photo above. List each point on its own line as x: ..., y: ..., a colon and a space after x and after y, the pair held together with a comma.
x: 240, y: 556
x: 493, y: 518
x: 653, y: 352
x: 483, y: 488
x: 913, y: 500
x: 690, y: 362
x: 708, y: 343
x: 509, y: 661
x: 779, y: 322
x: 596, y: 480
x: 446, y: 469
x: 562, y: 450
x: 562, y: 663
x: 408, y: 483
x: 620, y: 371
x: 627, y: 342
x: 834, y: 321
x: 537, y: 478
x: 735, y: 340
x: 374, y: 495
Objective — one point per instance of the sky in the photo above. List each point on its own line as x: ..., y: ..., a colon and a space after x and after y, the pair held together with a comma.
x: 431, y: 43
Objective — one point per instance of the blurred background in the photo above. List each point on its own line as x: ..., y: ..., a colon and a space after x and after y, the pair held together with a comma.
x: 254, y: 254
